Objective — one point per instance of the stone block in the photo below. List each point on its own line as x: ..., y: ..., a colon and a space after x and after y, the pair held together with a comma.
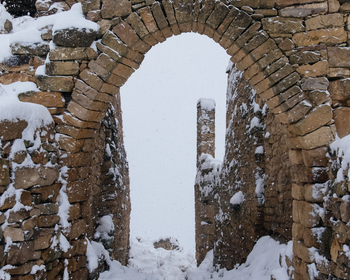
x: 241, y: 21
x: 306, y: 213
x: 169, y: 10
x: 91, y: 79
x: 70, y: 144
x: 319, y: 96
x: 30, y: 223
x: 42, y: 242
x: 62, y: 68
x: 40, y: 48
x: 284, y: 3
x: 74, y: 211
x: 92, y: 93
x: 316, y: 70
x: 316, y: 118
x: 324, y: 21
x: 315, y: 192
x: 125, y: 32
x: 342, y: 121
x: 160, y: 18
x: 47, y: 208
x: 136, y: 23
x: 302, y: 251
x: 47, y: 99
x: 323, y: 36
x: 115, y: 8
x: 148, y: 19
x: 55, y: 83
x: 280, y: 25
x: 317, y: 138
x: 78, y: 191
x: 315, y: 83
x: 228, y: 19
x: 297, y: 191
x: 48, y: 221
x: 86, y: 102
x: 78, y: 133
x: 62, y: 53
x: 77, y: 123
x: 90, y: 5
x: 339, y: 90
x: 15, y: 234
x: 338, y: 57
x: 283, y: 97
x: 38, y: 175
x: 345, y: 211
x: 4, y: 172
x: 304, y: 57
x: 338, y: 73
x: 78, y: 228
x: 218, y: 15
x: 316, y: 157
x: 297, y: 231
x: 123, y: 71
x: 74, y: 37
x: 21, y: 255
x: 304, y: 10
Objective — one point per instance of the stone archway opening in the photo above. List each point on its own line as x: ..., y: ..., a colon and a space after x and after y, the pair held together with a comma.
x: 159, y: 122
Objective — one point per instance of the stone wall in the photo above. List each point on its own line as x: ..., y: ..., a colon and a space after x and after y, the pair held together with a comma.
x: 293, y: 61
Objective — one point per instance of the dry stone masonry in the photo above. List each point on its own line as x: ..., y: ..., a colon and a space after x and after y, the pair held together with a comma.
x: 287, y: 102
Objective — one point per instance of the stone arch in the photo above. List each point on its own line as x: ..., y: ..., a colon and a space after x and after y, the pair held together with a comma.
x: 297, y: 98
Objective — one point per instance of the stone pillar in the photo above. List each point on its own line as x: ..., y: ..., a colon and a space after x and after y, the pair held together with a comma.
x: 205, y: 127
x: 204, y: 185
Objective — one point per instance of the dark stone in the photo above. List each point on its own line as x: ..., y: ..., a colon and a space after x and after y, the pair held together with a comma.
x: 20, y: 8
x: 17, y: 60
x: 74, y: 37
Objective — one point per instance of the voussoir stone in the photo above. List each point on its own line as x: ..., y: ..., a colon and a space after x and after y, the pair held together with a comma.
x: 74, y: 37
x: 317, y: 138
x: 283, y: 25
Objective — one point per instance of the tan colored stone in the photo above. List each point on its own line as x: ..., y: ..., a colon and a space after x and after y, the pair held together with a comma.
x: 47, y: 99
x: 297, y: 192
x: 316, y: 118
x: 62, y: 53
x: 78, y: 191
x: 42, y: 242
x: 136, y: 23
x: 318, y: 69
x: 295, y: 113
x: 316, y: 157
x: 159, y: 16
x: 91, y: 79
x: 305, y: 213
x: 62, y: 68
x: 315, y: 83
x: 295, y: 157
x: 324, y: 21
x: 13, y: 234
x: 339, y: 90
x: 28, y: 177
x: 325, y: 36
x: 284, y: 3
x: 78, y: 228
x: 302, y: 251
x: 92, y: 93
x: 317, y: 138
x: 4, y: 172
x: 338, y: 57
x: 125, y: 32
x: 315, y: 192
x: 55, y: 83
x: 46, y: 194
x: 319, y: 96
x: 115, y: 8
x: 338, y: 73
x: 69, y: 144
x: 30, y: 223
x: 333, y: 6
x: 74, y: 211
x: 342, y: 121
x: 297, y: 231
x: 71, y: 120
x: 282, y: 25
x: 345, y: 7
x: 16, y: 77
x: 78, y: 133
x: 345, y: 211
x: 48, y: 221
x: 47, y: 208
x: 303, y: 10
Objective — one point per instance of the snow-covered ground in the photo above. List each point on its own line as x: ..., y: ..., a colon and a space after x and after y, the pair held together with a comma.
x: 267, y: 259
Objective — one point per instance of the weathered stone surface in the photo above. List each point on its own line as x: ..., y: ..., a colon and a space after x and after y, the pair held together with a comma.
x: 90, y: 5
x: 47, y: 99
x: 91, y: 79
x: 62, y: 68
x: 78, y: 228
x: 324, y: 21
x: 304, y: 10
x: 306, y: 213
x: 74, y: 37
x: 42, y: 242
x: 4, y: 172
x: 339, y: 89
x: 315, y: 83
x: 283, y: 25
x: 21, y: 255
x: 16, y: 234
x: 78, y: 191
x: 342, y: 121
x: 338, y: 57
x: 46, y: 193
x: 325, y: 36
x: 284, y: 3
x: 40, y: 49
x: 316, y: 157
x: 28, y: 177
x: 12, y: 130
x: 115, y: 8
x: 317, y: 138
x: 48, y: 221
x: 319, y: 96
x: 315, y: 192
x: 55, y: 83
x: 85, y: 114
x: 316, y: 70
x: 62, y: 53
x: 338, y: 73
x: 314, y: 119
x: 86, y: 102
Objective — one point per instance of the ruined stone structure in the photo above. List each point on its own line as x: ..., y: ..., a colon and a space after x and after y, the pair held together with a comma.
x: 287, y: 99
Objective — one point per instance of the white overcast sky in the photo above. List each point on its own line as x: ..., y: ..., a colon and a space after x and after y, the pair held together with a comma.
x: 159, y: 116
